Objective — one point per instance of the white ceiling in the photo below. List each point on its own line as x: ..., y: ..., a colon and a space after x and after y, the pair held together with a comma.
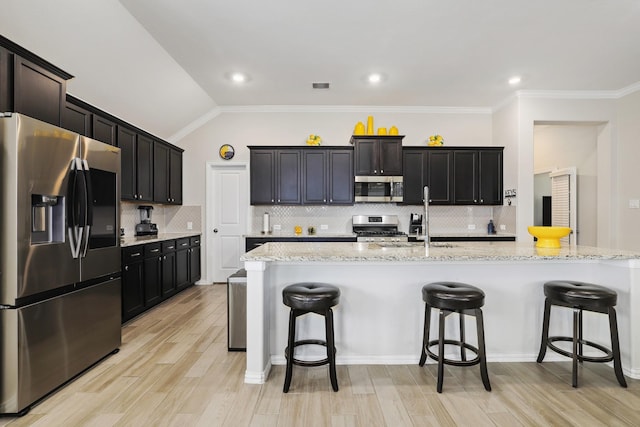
x: 174, y: 57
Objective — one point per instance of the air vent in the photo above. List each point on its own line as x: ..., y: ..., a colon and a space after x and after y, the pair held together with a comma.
x: 320, y: 85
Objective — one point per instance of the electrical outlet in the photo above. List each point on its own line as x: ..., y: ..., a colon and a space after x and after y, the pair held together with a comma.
x: 276, y: 226
x: 471, y: 227
x: 324, y: 227
x: 503, y: 227
x: 634, y: 204
x: 189, y: 225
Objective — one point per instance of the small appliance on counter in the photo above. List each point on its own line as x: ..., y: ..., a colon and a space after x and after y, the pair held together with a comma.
x: 415, y: 224
x: 146, y: 227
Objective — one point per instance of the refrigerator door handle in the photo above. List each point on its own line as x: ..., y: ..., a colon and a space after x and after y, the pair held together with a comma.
x: 88, y: 204
x: 74, y: 210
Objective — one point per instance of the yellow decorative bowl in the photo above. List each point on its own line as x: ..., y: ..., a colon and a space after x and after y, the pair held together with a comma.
x: 548, y: 237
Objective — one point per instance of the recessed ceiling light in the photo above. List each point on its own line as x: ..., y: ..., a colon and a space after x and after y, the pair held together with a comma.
x: 375, y: 78
x: 515, y: 80
x: 238, y: 77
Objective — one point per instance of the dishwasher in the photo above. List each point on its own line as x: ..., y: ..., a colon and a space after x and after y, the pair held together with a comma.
x: 237, y: 311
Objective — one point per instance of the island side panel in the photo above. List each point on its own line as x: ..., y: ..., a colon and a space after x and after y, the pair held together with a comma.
x: 381, y: 312
x: 258, y: 318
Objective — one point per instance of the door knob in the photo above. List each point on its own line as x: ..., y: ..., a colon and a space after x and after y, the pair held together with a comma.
x: 215, y: 230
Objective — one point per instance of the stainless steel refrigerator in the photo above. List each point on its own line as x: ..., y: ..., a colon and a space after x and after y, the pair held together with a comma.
x: 59, y: 257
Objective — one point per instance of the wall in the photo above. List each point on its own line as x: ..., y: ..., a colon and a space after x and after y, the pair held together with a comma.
x: 558, y: 146
x: 169, y: 219
x: 442, y: 219
x: 628, y: 176
x: 533, y: 110
x: 291, y: 126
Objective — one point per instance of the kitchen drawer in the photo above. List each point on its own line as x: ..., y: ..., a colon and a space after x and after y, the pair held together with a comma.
x: 182, y: 243
x: 152, y: 249
x: 195, y: 241
x: 168, y: 246
x: 132, y: 254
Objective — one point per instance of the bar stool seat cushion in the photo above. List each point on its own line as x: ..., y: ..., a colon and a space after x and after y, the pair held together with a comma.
x: 311, y: 296
x: 580, y: 294
x: 452, y: 296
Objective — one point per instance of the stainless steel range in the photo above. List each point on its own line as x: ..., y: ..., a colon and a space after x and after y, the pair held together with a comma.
x: 377, y: 228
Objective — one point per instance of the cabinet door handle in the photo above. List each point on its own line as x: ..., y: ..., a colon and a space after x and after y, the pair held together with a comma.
x: 155, y: 250
x: 170, y: 247
x: 140, y: 196
x: 126, y: 268
x: 135, y: 254
x: 135, y: 196
x: 381, y: 170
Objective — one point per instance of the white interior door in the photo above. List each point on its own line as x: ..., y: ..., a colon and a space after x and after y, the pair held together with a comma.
x: 227, y: 205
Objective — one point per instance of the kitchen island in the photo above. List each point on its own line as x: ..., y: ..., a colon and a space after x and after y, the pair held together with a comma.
x: 381, y: 312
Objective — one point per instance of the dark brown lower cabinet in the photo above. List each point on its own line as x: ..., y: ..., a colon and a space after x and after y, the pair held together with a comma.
x: 182, y: 263
x: 153, y: 272
x: 168, y: 268
x: 132, y: 280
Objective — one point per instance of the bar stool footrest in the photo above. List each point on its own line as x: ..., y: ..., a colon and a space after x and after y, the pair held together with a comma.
x: 598, y: 359
x: 446, y: 361
x: 308, y: 363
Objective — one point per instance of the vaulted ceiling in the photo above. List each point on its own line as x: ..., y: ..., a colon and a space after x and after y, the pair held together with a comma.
x: 167, y: 63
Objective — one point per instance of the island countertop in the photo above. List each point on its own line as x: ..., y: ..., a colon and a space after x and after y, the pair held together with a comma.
x: 437, y: 252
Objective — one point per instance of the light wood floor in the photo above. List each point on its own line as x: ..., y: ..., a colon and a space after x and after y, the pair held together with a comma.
x: 174, y: 370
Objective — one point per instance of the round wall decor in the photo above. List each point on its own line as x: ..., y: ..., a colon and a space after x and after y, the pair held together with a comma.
x: 226, y: 152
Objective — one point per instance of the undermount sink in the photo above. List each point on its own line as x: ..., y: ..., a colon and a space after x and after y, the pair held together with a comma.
x: 413, y: 244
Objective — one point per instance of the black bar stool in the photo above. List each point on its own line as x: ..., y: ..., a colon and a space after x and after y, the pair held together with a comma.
x: 454, y: 297
x: 306, y: 298
x: 581, y: 296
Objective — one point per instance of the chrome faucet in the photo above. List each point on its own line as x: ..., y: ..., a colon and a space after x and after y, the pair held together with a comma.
x: 425, y: 227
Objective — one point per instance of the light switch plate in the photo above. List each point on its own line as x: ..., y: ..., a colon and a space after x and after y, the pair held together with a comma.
x: 471, y: 226
x: 324, y: 227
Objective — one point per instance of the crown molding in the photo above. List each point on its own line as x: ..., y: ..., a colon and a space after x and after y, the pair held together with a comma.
x: 352, y: 109
x: 629, y: 90
x: 194, y: 125
x: 568, y: 94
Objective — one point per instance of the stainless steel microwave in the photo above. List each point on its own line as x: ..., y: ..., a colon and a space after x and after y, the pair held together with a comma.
x: 378, y: 189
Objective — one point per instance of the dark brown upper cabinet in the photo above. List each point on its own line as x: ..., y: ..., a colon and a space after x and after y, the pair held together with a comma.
x: 427, y: 167
x: 477, y: 176
x: 30, y: 85
x: 377, y: 155
x: 301, y: 175
x: 167, y: 174
x: 454, y: 175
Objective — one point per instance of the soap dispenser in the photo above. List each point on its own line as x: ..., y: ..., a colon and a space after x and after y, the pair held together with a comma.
x: 491, y: 229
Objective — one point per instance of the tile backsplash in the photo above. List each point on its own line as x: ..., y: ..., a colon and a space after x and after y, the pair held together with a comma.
x: 170, y: 219
x: 443, y: 219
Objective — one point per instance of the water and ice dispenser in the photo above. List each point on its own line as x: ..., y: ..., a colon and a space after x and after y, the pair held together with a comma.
x: 47, y: 219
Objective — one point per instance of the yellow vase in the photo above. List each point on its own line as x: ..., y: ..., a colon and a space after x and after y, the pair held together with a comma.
x: 370, y: 125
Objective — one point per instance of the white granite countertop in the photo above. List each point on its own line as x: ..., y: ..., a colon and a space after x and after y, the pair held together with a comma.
x: 410, y: 252
x: 353, y: 235
x: 289, y: 235
x: 142, y: 240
